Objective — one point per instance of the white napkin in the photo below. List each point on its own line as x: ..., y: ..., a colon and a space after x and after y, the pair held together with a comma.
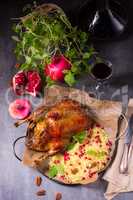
x: 118, y: 183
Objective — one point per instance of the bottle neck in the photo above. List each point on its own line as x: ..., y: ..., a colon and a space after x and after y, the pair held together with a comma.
x: 102, y: 4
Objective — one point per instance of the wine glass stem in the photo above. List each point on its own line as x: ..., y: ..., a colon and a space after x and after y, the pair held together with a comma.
x: 97, y: 87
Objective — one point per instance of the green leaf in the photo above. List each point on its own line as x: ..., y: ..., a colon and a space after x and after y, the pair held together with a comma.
x: 45, y: 41
x: 28, y: 23
x: 75, y: 67
x: 49, y: 81
x: 18, y: 50
x: 29, y: 39
x: 80, y: 137
x: 24, y: 66
x: 37, y: 56
x: 87, y: 55
x: 86, y: 68
x: 70, y: 79
x: 53, y: 171
x: 40, y: 29
x: 28, y: 59
x: 16, y: 28
x: 83, y: 37
x: 58, y: 28
x: 71, y: 53
x: 15, y: 38
x: 70, y: 146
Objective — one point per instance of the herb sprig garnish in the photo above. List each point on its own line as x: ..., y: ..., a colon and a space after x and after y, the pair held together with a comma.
x: 39, y: 36
x: 78, y: 138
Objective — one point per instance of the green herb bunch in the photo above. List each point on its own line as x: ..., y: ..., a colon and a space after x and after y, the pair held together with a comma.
x: 39, y: 36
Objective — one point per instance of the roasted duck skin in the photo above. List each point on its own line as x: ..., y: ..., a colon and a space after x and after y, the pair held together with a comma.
x: 53, y: 129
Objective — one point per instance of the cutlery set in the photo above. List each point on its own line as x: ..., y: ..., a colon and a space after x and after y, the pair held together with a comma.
x: 128, y: 147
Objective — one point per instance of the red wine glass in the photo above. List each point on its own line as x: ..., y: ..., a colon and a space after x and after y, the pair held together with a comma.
x: 101, y: 72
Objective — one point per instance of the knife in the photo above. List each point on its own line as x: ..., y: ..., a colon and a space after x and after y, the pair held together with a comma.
x: 123, y: 113
x: 130, y: 150
x: 127, y: 150
x: 119, y: 126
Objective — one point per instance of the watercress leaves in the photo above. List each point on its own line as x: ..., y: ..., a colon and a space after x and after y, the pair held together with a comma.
x: 38, y: 37
x: 86, y: 55
x: 70, y: 78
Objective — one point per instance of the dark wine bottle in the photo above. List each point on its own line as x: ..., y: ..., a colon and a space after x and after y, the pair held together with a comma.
x: 106, y: 23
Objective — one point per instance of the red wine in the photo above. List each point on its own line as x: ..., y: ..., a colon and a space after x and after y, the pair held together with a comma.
x: 101, y: 71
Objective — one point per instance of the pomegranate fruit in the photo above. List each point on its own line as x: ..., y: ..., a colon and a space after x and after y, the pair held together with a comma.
x: 27, y: 83
x: 34, y: 83
x: 55, y: 69
x: 19, y: 82
x: 20, y: 108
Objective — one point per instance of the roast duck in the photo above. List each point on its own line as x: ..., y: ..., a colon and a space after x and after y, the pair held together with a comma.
x: 51, y: 127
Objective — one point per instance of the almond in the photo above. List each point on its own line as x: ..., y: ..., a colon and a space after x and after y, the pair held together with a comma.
x: 58, y: 196
x: 41, y: 192
x: 38, y: 181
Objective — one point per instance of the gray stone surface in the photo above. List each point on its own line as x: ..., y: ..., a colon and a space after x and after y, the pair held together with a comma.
x: 16, y: 180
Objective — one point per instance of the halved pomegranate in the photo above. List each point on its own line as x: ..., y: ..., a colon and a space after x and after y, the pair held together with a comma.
x: 33, y: 86
x: 27, y: 83
x: 19, y: 82
x: 20, y: 108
